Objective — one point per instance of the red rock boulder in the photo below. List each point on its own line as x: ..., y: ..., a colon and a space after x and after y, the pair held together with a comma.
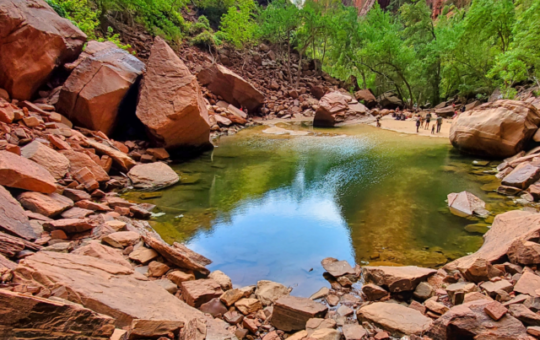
x: 171, y: 105
x: 19, y: 172
x: 34, y: 40
x: 498, y: 129
x: 102, y: 77
x: 233, y: 88
x: 367, y: 97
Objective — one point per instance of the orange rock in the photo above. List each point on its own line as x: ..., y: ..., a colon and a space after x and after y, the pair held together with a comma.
x: 13, y: 218
x: 46, y: 205
x: 120, y: 146
x: 86, y: 178
x: 93, y: 92
x: 34, y: 40
x: 56, y: 163
x: 19, y: 172
x: 79, y: 160
x: 6, y: 113
x: 170, y: 101
x: 233, y: 88
x: 58, y: 143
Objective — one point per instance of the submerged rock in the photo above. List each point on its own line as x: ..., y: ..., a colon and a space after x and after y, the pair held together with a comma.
x: 466, y: 204
x: 34, y: 40
x: 498, y: 129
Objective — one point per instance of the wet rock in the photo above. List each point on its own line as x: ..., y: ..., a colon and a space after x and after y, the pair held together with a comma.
x: 44, y: 41
x: 528, y: 283
x: 291, y: 313
x: 12, y: 217
x: 221, y: 278
x: 233, y: 88
x: 170, y: 103
x: 19, y: 172
x: 522, y: 176
x: 153, y: 176
x: 498, y: 129
x: 195, y: 293
x: 179, y: 255
x: 51, y: 160
x: 337, y: 268
x: 269, y: 292
x: 374, y: 292
x: 80, y: 275
x: 466, y: 203
x: 25, y: 317
x: 469, y: 319
x: 47, y: 205
x: 323, y: 292
x: 397, y: 279
x: 395, y: 318
x: 92, y: 94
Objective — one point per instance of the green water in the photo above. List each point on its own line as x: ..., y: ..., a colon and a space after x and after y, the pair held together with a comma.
x: 272, y: 207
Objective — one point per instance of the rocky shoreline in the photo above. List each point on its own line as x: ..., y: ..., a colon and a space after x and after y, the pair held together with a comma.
x: 77, y: 261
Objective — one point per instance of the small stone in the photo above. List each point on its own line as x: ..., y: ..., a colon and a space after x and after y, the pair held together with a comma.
x: 142, y: 254
x: 247, y: 305
x: 436, y: 307
x: 178, y: 277
x: 168, y: 285
x: 157, y: 269
x: 213, y: 307
x: 231, y: 296
x: 353, y: 332
x: 233, y: 317
x: 223, y: 280
x: 116, y: 225
x: 374, y: 292
x: 495, y: 310
x: 332, y: 299
x: 251, y: 324
x: 195, y: 293
x: 122, y: 239
x: 268, y: 292
x: 323, y: 292
x: 344, y: 311
x: 423, y: 291
x: 291, y: 313
x: 49, y: 205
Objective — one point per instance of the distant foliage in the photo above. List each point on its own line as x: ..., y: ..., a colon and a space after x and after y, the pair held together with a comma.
x: 238, y: 25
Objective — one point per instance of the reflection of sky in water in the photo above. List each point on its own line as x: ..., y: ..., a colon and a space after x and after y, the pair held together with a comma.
x: 309, y: 230
x: 273, y: 208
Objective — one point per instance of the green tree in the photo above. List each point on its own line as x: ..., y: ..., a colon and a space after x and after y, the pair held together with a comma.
x: 238, y: 25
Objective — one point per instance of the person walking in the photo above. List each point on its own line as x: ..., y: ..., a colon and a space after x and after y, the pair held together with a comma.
x: 439, y: 124
x: 417, y: 123
x: 379, y: 121
x: 428, y: 119
x: 433, y: 129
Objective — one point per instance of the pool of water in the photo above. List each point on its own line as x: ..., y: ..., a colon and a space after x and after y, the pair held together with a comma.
x: 272, y: 207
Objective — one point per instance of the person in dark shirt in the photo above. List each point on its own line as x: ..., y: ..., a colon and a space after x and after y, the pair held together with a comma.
x: 428, y: 120
x: 439, y: 124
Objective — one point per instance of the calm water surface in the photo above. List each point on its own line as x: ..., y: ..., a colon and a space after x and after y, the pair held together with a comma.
x: 272, y: 207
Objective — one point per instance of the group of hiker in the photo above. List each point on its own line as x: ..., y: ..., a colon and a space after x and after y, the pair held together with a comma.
x: 422, y: 122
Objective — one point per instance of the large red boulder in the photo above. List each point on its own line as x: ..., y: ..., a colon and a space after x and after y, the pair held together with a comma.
x: 233, y: 88
x: 34, y: 40
x: 101, y: 79
x: 170, y: 101
x: 499, y: 129
x: 336, y: 107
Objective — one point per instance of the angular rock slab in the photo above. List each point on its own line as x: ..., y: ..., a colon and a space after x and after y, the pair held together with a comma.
x: 522, y: 176
x: 102, y: 286
x: 465, y: 203
x: 179, y: 257
x: 34, y: 40
x: 233, y: 88
x: 170, y: 104
x: 397, y: 279
x: 32, y: 317
x: 498, y: 129
x: 395, y: 318
x: 92, y: 94
x: 152, y: 176
x: 469, y: 320
x: 506, y: 228
x: 292, y: 313
x: 12, y: 216
x: 331, y: 104
x: 19, y: 172
x: 51, y: 160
